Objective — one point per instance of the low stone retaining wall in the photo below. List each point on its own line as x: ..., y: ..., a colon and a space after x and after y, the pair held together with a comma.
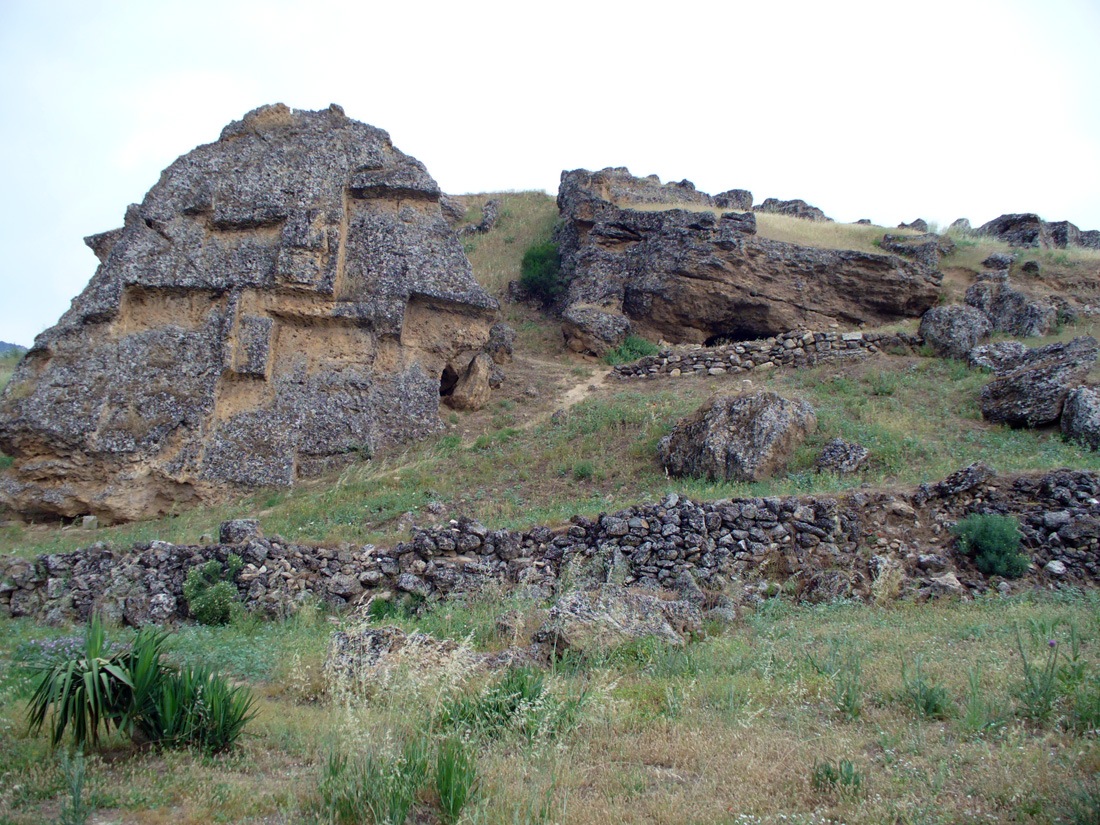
x: 791, y: 349
x: 819, y: 547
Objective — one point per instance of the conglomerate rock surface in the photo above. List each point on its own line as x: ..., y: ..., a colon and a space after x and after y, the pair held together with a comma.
x: 696, y: 277
x: 282, y: 299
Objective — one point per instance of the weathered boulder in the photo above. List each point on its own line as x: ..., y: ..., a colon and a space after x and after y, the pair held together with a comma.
x: 1033, y: 393
x: 694, y: 277
x: 453, y: 209
x: 587, y: 621
x: 740, y: 199
x: 1081, y: 417
x: 919, y: 225
x: 737, y: 438
x: 284, y: 299
x: 1001, y: 357
x: 594, y: 329
x: 1019, y: 229
x: 842, y: 457
x: 1089, y: 238
x: 954, y: 330
x: 999, y: 261
x: 472, y: 389
x: 1010, y: 310
x: 961, y: 226
x: 796, y: 208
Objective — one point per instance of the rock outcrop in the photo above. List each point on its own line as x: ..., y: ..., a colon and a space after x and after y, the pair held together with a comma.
x: 696, y: 277
x: 1008, y: 309
x: 738, y: 438
x: 1018, y: 229
x: 283, y: 299
x: 1029, y: 230
x: 1032, y: 393
x: 927, y: 248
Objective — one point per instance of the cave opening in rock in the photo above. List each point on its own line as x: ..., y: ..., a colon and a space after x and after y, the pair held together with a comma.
x: 736, y: 332
x: 447, y: 381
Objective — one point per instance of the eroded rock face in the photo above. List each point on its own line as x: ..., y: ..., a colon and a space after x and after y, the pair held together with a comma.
x: 282, y: 299
x: 695, y: 277
x: 1032, y: 394
x: 738, y: 438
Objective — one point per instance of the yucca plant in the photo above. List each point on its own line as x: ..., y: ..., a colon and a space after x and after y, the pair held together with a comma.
x: 83, y: 694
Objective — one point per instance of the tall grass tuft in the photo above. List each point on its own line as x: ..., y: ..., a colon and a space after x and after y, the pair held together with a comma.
x: 456, y: 780
x: 928, y: 699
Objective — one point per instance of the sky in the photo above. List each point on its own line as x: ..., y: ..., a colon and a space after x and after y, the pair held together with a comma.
x: 889, y: 111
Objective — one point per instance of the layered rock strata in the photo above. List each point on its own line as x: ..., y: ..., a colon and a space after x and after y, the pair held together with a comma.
x: 283, y: 299
x: 695, y: 277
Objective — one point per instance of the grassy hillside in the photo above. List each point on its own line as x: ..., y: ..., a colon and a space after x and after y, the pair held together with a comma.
x: 948, y: 712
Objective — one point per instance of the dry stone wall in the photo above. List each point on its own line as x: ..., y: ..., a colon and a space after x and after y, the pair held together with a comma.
x: 818, y: 547
x: 791, y: 349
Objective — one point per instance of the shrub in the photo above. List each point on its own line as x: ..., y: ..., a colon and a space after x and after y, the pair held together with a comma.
x: 133, y: 692
x: 631, y: 349
x: 210, y: 593
x: 95, y: 689
x: 994, y: 542
x: 541, y: 272
x: 197, y: 707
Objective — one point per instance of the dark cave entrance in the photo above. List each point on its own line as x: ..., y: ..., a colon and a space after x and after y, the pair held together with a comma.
x: 447, y: 381
x: 733, y: 333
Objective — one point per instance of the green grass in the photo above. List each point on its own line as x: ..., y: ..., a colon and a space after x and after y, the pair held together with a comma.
x: 919, y: 417
x: 526, y: 219
x: 738, y: 721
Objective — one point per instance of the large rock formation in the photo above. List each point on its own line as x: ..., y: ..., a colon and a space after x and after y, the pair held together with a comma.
x: 283, y: 299
x: 694, y: 277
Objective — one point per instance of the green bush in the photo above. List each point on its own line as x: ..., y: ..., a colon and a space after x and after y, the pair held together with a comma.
x: 994, y: 542
x: 198, y: 708
x: 210, y: 593
x: 133, y: 692
x: 633, y: 348
x: 97, y: 689
x: 541, y: 272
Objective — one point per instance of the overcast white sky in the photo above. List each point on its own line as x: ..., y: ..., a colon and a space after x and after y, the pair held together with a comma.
x: 938, y: 109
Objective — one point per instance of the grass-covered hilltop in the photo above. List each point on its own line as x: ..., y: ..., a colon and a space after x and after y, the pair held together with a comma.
x: 528, y: 611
